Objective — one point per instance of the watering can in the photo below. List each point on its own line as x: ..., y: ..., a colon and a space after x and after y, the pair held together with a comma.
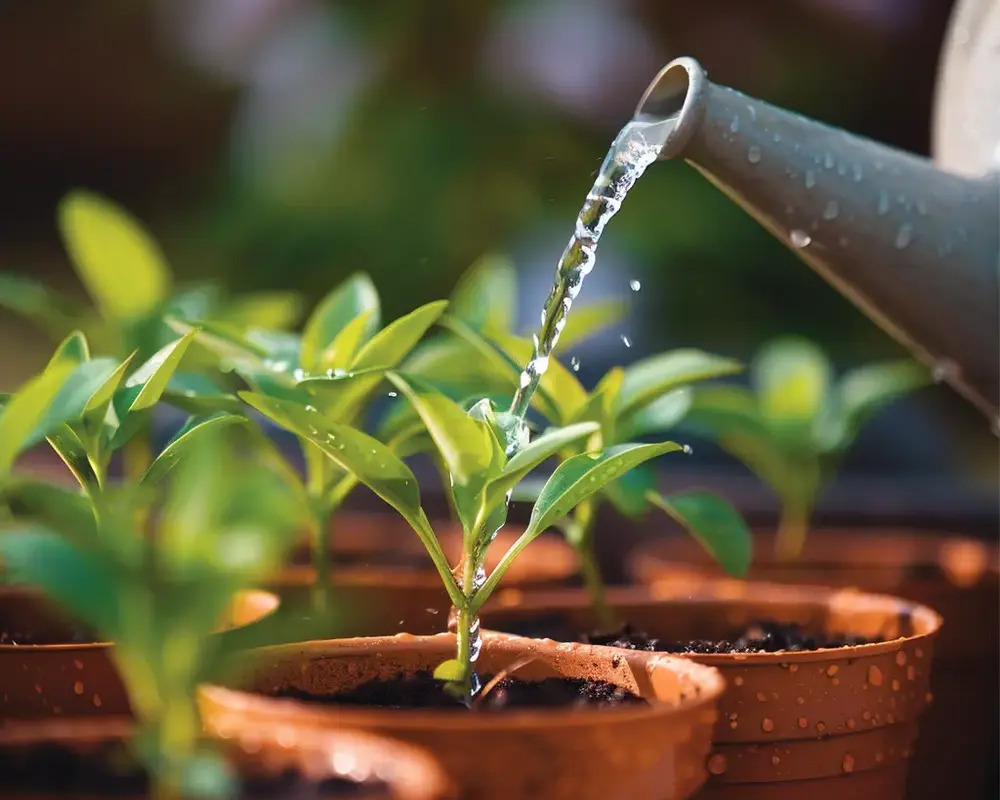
x: 914, y: 243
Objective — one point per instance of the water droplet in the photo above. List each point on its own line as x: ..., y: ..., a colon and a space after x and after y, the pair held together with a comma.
x: 851, y: 724
x: 901, y: 658
x: 734, y: 126
x: 945, y: 370
x: 767, y: 724
x: 393, y: 394
x: 78, y: 688
x: 904, y: 235
x: 761, y: 697
x: 842, y: 241
x: 828, y: 161
x: 848, y: 763
x: 574, y: 364
x: 753, y: 154
x: 895, y: 684
x: 820, y: 726
x: 717, y: 764
x: 832, y: 670
x: 299, y: 374
x: 775, y: 760
x: 858, y: 174
x: 832, y: 210
x: 311, y: 409
x: 874, y: 676
x: 803, y: 723
x: 625, y: 341
x: 800, y: 701
x: 738, y: 680
x: 777, y: 138
x: 800, y: 238
x: 687, y: 449
x: 883, y: 202
x: 635, y: 285
x: 97, y: 701
x: 810, y: 179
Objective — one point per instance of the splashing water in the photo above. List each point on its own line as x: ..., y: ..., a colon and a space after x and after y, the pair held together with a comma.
x: 635, y: 148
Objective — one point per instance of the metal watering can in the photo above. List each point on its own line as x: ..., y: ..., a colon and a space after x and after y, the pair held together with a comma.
x: 914, y: 243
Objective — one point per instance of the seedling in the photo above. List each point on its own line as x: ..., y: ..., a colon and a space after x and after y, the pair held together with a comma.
x: 647, y: 398
x: 334, y: 368
x: 221, y: 527
x: 132, y: 289
x: 795, y: 422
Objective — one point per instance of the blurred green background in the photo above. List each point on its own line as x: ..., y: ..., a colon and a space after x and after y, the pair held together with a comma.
x: 286, y: 143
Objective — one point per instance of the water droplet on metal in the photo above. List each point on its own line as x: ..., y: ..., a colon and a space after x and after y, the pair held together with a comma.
x: 945, y: 370
x: 883, y: 202
x: 810, y: 179
x: 635, y: 285
x: 753, y: 154
x: 800, y: 238
x: 832, y: 210
x: 828, y: 160
x: 904, y: 235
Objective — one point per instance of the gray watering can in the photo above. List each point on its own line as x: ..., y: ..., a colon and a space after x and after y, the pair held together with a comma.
x: 914, y: 243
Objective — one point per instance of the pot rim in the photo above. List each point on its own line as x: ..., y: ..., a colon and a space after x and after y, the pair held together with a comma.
x: 686, y: 591
x: 709, y: 682
x: 268, y: 599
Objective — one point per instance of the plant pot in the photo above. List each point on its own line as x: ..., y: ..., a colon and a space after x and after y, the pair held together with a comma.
x: 75, y: 679
x: 655, y: 750
x: 959, y: 578
x: 833, y: 723
x: 393, y: 770
x: 384, y: 577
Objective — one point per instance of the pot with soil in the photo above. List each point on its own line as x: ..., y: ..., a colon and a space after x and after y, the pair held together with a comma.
x: 959, y: 578
x: 823, y: 688
x: 54, y: 667
x: 552, y: 720
x: 91, y: 757
x: 383, y: 574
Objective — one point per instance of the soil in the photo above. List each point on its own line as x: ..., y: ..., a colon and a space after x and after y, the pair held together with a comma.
x: 26, y: 638
x: 423, y: 691
x: 109, y: 771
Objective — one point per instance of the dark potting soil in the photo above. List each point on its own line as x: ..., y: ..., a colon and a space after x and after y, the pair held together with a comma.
x: 53, y: 769
x: 72, y: 636
x: 423, y: 691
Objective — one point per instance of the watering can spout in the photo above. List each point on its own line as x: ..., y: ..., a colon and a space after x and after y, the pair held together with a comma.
x: 916, y: 248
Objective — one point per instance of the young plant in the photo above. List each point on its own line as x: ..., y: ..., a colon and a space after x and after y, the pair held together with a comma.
x: 473, y: 445
x: 795, y: 422
x: 132, y: 289
x: 335, y: 368
x: 647, y: 398
x: 222, y: 525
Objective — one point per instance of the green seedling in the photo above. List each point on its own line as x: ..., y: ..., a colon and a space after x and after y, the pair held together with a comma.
x: 161, y: 594
x: 650, y: 397
x: 795, y: 423
x: 334, y: 368
x: 132, y: 289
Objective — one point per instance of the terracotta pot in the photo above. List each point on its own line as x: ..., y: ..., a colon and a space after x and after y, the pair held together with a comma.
x: 834, y: 723
x: 75, y: 680
x: 386, y: 579
x: 655, y: 751
x: 959, y: 578
x: 403, y: 772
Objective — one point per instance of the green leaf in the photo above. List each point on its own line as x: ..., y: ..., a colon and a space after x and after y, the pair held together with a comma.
x: 665, y: 412
x: 451, y: 671
x: 26, y: 409
x: 628, y: 493
x: 72, y: 577
x: 184, y: 440
x: 540, y: 450
x: 791, y: 378
x: 72, y: 350
x: 464, y: 444
x: 355, y: 296
x: 863, y: 391
x: 97, y: 405
x: 35, y: 302
x: 274, y: 310
x: 70, y: 448
x: 74, y: 397
x: 198, y: 394
x: 374, y: 464
x: 344, y: 348
x: 68, y: 513
x: 458, y: 369
x: 393, y: 343
x: 581, y: 476
x: 146, y: 385
x: 116, y: 258
x: 650, y: 378
x: 589, y: 320
x: 486, y: 295
x: 716, y: 524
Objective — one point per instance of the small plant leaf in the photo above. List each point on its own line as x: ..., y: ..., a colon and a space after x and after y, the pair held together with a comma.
x: 628, y: 493
x: 184, y: 440
x: 459, y: 367
x: 714, y: 522
x: 71, y: 449
x: 67, y: 513
x: 198, y: 394
x: 72, y: 350
x: 74, y: 396
x: 662, y: 414
x: 589, y: 320
x: 791, y: 378
x: 579, y: 477
x: 118, y: 261
x: 393, y: 343
x: 861, y: 392
x: 102, y: 396
x: 342, y: 351
x: 144, y: 387
x: 451, y: 671
x: 269, y: 310
x: 26, y: 409
x: 650, y: 378
x: 34, y: 301
x: 355, y: 296
x: 486, y: 295
x: 69, y: 575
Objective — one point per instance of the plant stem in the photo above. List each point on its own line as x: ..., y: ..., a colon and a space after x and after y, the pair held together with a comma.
x: 579, y: 532
x: 466, y: 622
x: 137, y: 455
x: 792, y: 527
x: 322, y: 557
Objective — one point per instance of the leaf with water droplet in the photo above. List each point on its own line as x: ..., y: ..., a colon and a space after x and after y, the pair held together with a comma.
x: 341, y: 352
x: 714, y: 522
x: 354, y: 297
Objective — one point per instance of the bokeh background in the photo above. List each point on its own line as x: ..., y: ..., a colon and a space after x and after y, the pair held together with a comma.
x: 286, y: 143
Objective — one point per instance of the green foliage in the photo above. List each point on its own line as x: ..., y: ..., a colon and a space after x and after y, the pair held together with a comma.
x: 795, y: 423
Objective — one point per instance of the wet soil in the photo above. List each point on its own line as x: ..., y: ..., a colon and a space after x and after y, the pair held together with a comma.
x: 50, y: 770
x: 423, y: 691
x: 70, y: 636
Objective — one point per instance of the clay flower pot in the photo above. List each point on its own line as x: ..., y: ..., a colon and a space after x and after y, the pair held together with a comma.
x: 383, y: 575
x: 959, y: 578
x: 653, y: 751
x: 64, y: 677
x: 831, y: 723
x: 392, y: 770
